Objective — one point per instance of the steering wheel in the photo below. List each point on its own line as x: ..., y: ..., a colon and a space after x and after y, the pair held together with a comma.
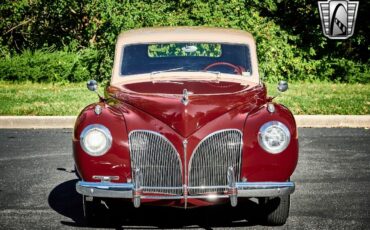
x: 237, y: 69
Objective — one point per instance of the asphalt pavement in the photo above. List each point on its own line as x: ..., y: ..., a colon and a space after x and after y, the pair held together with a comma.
x: 37, y: 187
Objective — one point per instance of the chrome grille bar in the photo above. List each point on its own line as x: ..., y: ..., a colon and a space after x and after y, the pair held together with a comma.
x: 158, y: 161
x: 211, y: 160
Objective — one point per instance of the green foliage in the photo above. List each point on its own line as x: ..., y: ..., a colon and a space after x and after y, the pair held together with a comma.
x: 46, y: 66
x: 179, y: 49
x: 289, y: 38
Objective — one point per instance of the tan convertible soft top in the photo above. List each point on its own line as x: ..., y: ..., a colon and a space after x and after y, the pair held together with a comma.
x: 183, y: 34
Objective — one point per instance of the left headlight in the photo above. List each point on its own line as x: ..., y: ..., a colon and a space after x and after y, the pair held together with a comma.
x: 96, y: 140
x: 274, y: 137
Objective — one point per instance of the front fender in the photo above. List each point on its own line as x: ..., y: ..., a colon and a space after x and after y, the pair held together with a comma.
x: 259, y: 165
x: 116, y: 162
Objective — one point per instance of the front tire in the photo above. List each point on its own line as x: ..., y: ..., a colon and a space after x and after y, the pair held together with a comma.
x: 275, y: 210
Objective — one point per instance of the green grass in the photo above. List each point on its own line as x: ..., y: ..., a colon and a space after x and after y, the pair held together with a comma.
x: 325, y: 98
x: 44, y: 98
x: 68, y: 99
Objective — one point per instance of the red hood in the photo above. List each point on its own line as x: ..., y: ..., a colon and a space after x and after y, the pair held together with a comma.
x: 207, y: 101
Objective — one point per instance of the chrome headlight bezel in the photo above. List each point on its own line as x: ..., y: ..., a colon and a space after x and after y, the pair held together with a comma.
x: 96, y: 128
x: 279, y: 127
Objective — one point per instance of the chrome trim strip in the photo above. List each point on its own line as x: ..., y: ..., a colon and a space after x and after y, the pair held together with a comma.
x: 167, y: 188
x: 126, y: 190
x: 205, y: 187
x: 185, y: 192
x: 210, y: 196
x: 105, y: 178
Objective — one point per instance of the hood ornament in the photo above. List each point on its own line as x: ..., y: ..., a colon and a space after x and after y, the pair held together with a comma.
x: 185, y: 97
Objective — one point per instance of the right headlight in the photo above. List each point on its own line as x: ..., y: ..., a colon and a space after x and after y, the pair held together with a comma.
x: 274, y: 137
x: 96, y: 140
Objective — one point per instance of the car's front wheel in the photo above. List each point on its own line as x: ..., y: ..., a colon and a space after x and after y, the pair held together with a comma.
x: 275, y: 210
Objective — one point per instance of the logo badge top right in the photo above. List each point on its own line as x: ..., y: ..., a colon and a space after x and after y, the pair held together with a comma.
x: 338, y: 18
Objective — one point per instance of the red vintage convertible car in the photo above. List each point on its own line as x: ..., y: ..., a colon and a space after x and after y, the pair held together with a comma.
x: 186, y: 122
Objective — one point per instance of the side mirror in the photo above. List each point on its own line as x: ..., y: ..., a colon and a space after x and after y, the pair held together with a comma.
x: 92, y: 85
x: 282, y: 86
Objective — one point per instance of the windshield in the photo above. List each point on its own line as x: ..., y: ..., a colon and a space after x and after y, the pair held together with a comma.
x: 165, y: 57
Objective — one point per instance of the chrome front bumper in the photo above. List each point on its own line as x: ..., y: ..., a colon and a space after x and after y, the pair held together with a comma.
x: 133, y: 191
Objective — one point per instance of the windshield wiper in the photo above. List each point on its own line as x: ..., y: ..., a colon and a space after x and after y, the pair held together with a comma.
x: 167, y: 70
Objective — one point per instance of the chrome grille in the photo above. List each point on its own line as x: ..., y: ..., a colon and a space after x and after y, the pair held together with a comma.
x: 157, y: 160
x: 211, y: 159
